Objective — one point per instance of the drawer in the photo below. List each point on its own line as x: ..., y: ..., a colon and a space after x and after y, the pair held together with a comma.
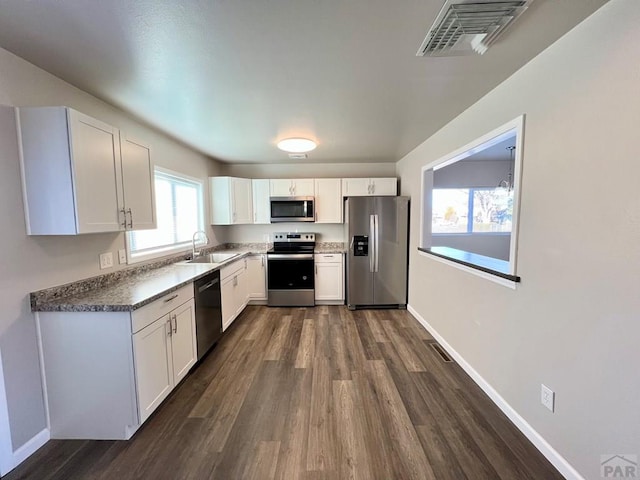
x: 232, y: 269
x: 327, y: 257
x: 150, y: 313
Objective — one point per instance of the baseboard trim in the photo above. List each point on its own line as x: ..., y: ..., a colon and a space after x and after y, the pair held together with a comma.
x: 29, y: 448
x: 557, y: 460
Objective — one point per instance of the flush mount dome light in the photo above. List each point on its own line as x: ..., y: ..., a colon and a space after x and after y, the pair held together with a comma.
x: 296, y: 145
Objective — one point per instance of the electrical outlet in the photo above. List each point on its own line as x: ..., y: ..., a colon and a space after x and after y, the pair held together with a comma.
x: 106, y: 260
x: 547, y: 397
x: 122, y: 256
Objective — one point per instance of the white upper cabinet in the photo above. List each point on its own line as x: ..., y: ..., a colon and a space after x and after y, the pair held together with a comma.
x: 261, y: 206
x: 72, y: 174
x: 300, y: 187
x: 137, y: 197
x: 328, y: 196
x: 231, y: 200
x: 362, y: 187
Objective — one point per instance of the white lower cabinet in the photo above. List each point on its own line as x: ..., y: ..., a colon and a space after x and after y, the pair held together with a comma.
x: 257, y: 279
x: 106, y: 372
x: 164, y: 352
x: 329, y: 287
x: 234, y: 290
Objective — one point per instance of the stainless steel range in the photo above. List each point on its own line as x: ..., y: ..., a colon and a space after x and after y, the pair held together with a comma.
x: 290, y: 270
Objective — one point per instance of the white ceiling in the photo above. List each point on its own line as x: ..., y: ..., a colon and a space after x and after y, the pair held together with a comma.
x: 232, y: 77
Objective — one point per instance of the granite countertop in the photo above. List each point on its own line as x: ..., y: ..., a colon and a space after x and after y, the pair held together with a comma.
x: 329, y: 247
x: 129, y: 289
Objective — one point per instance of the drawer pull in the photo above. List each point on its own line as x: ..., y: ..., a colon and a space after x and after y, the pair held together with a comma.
x: 172, y: 297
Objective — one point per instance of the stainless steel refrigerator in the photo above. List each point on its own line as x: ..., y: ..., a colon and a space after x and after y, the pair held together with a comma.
x: 377, y: 232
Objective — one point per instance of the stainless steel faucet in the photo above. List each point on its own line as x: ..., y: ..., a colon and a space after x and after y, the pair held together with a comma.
x: 195, y: 253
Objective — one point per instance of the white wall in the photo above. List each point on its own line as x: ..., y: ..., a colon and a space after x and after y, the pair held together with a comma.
x: 306, y: 169
x: 33, y: 263
x: 574, y: 321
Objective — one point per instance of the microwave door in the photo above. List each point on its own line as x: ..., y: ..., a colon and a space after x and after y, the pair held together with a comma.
x: 291, y: 210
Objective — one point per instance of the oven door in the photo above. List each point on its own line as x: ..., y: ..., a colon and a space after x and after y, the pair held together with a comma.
x: 290, y: 279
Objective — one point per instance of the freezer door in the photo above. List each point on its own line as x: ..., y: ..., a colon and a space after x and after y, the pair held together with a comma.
x: 358, y: 212
x: 390, y: 240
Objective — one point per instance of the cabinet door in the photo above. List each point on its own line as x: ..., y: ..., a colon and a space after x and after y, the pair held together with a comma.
x: 95, y: 148
x: 355, y: 187
x: 329, y: 281
x: 328, y: 194
x: 183, y: 340
x: 242, y: 290
x: 242, y: 202
x: 261, y: 207
x: 256, y: 277
x: 303, y: 187
x: 384, y: 186
x: 228, y: 294
x: 137, y: 194
x: 221, y: 200
x: 281, y: 188
x: 154, y: 376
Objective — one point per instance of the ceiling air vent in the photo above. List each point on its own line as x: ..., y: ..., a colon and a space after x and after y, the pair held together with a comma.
x: 466, y: 26
x: 297, y: 156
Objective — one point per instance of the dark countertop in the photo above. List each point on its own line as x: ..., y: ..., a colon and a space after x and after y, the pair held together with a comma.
x: 129, y: 289
x: 491, y: 265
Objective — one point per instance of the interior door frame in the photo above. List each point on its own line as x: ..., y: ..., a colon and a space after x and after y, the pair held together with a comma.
x: 6, y: 448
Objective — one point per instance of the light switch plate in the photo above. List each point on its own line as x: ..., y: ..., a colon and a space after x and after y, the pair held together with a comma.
x: 106, y: 260
x: 122, y: 256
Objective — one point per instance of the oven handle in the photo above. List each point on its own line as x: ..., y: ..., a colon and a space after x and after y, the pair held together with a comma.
x: 292, y: 256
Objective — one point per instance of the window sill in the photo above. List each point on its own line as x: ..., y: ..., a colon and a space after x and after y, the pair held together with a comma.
x: 488, y: 267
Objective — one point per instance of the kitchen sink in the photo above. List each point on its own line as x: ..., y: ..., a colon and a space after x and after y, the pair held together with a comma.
x: 212, y: 258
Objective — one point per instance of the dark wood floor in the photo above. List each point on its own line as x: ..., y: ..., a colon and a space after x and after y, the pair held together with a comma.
x: 316, y: 393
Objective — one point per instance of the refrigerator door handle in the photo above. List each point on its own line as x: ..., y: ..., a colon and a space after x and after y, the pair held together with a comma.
x: 372, y: 241
x: 376, y: 224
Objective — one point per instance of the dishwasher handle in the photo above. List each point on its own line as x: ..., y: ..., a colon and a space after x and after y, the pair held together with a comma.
x: 208, y: 285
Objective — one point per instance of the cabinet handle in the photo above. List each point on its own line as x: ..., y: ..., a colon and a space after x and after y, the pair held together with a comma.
x: 255, y: 217
x: 170, y: 327
x: 262, y: 260
x: 316, y: 269
x: 124, y: 218
x: 175, y: 323
x: 130, y: 218
x: 235, y: 281
x: 172, y: 297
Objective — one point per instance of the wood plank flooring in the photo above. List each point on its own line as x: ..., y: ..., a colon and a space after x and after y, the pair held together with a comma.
x: 312, y: 393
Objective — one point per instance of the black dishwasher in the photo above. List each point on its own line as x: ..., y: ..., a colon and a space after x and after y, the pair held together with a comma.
x: 208, y: 312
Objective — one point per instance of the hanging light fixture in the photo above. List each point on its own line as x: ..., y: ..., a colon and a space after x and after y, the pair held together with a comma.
x: 508, y: 183
x: 296, y: 145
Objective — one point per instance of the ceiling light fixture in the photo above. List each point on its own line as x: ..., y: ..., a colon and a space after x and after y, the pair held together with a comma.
x: 296, y: 145
x: 508, y: 183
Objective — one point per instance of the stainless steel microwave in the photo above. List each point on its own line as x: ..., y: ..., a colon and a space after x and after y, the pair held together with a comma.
x: 292, y: 209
